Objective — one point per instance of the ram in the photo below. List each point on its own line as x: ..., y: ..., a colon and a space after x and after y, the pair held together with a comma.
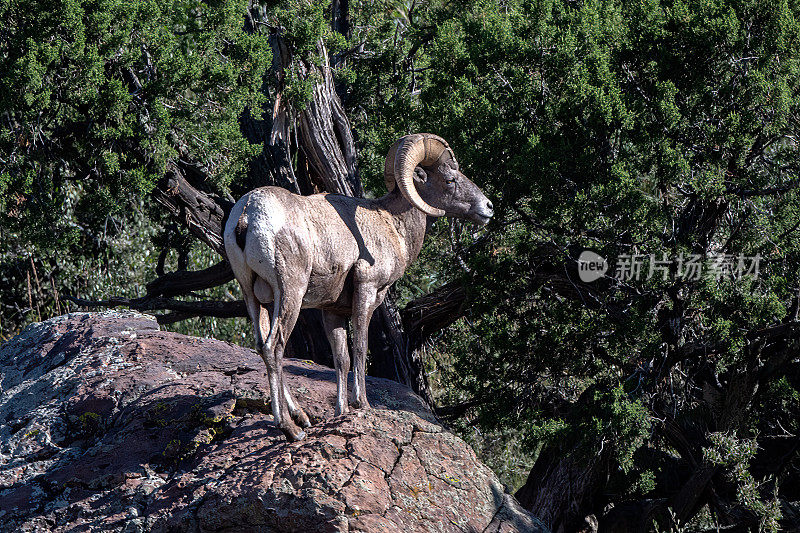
x: 340, y: 255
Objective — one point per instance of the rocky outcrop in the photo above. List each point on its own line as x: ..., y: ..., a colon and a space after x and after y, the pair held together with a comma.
x: 110, y: 424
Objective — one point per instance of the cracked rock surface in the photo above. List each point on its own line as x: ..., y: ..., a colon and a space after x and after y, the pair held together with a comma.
x: 107, y: 423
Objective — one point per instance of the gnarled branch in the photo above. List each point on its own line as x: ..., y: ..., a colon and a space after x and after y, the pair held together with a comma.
x: 187, y: 309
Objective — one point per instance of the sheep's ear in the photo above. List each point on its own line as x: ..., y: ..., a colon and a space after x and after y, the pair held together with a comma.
x: 420, y: 176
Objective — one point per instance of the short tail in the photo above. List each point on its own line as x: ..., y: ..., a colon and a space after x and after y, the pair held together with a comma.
x: 240, y: 232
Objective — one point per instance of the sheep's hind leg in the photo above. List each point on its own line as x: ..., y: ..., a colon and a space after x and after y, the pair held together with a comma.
x: 258, y: 316
x: 254, y: 298
x: 295, y: 411
x: 263, y: 292
x: 287, y: 307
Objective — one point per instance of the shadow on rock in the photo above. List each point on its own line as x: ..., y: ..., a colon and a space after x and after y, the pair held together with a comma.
x: 112, y: 424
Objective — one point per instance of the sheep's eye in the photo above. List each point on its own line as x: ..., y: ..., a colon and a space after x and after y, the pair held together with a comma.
x: 450, y: 181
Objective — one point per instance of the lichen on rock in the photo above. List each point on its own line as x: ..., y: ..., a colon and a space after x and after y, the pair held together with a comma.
x: 110, y: 423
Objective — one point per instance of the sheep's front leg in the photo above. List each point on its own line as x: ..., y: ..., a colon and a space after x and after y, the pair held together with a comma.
x: 364, y: 303
x: 337, y: 335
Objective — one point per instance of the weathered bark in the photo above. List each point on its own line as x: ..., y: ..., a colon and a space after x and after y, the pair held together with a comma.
x: 566, y: 481
x: 340, y: 17
x: 561, y: 488
x: 273, y: 165
x: 270, y: 127
x: 184, y: 308
x: 320, y: 138
x: 325, y: 135
x: 201, y: 213
x: 433, y: 312
x: 183, y: 282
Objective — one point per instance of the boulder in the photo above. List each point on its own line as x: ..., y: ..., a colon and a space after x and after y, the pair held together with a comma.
x: 110, y: 424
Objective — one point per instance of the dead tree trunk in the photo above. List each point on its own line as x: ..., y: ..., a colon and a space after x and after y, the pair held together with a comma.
x: 326, y: 142
x: 563, y: 486
x: 321, y: 138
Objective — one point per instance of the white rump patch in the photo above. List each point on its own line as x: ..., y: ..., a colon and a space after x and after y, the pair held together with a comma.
x: 265, y: 222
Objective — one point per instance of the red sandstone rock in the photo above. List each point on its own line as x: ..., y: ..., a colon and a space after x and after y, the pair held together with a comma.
x: 110, y: 424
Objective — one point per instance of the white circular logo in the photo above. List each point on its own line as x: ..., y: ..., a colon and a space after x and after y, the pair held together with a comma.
x: 591, y: 266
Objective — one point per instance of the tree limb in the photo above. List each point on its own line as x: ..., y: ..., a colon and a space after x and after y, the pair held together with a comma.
x: 200, y: 212
x: 433, y: 312
x: 184, y: 282
x: 188, y: 309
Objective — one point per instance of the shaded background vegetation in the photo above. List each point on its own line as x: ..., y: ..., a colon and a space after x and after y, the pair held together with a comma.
x: 649, y: 127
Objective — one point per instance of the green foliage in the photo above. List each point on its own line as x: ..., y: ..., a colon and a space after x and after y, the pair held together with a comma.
x: 728, y: 451
x: 659, y: 128
x: 96, y: 97
x: 118, y: 259
x: 105, y: 92
x: 113, y: 252
x: 303, y: 25
x: 654, y: 127
x: 235, y: 330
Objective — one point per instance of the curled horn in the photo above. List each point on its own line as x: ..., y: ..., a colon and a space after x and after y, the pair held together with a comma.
x: 408, y: 153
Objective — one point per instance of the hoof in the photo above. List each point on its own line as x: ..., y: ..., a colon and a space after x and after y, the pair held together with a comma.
x: 361, y: 403
x: 339, y: 412
x: 302, y: 420
x: 293, y: 433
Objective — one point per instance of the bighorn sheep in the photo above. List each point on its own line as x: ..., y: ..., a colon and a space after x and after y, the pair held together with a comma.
x: 339, y: 254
